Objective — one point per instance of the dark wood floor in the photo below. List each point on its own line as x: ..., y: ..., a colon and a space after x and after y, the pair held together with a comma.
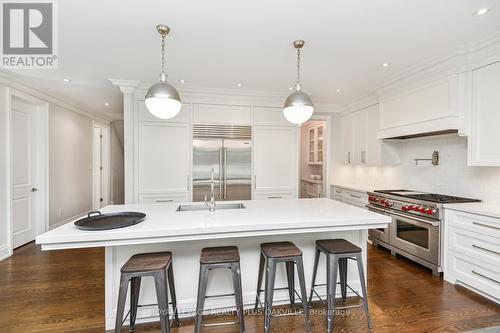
x: 63, y: 291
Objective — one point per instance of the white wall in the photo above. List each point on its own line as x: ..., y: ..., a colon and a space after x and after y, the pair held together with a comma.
x: 70, y: 164
x: 452, y: 176
x: 4, y: 177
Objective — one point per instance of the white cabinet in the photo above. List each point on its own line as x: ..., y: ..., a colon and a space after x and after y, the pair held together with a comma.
x: 222, y: 114
x: 315, y: 142
x: 359, y: 139
x: 472, y: 252
x: 143, y: 114
x: 351, y: 196
x: 275, y: 161
x: 485, y: 116
x: 269, y: 116
x: 163, y: 161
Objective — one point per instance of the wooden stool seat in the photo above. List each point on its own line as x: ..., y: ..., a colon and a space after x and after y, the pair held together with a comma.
x: 217, y: 255
x: 146, y: 262
x: 337, y: 246
x: 280, y: 250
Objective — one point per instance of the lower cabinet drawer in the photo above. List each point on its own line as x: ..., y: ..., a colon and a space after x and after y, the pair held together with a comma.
x: 354, y: 202
x: 165, y: 197
x: 477, y: 223
x: 477, y: 246
x: 274, y: 195
x: 481, y: 276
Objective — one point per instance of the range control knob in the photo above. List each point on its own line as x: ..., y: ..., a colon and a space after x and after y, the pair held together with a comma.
x: 405, y: 208
x: 383, y: 201
x: 430, y: 211
x: 421, y: 210
x: 388, y: 204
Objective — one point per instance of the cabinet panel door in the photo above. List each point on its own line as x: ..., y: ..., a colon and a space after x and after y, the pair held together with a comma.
x: 164, y: 157
x: 359, y: 137
x: 485, y: 116
x: 373, y: 147
x: 275, y: 158
x: 347, y: 138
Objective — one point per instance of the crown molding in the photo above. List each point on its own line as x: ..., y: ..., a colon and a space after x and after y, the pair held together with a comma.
x: 126, y: 86
x: 12, y: 80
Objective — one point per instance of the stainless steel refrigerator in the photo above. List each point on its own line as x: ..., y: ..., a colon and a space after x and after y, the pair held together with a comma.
x: 227, y: 150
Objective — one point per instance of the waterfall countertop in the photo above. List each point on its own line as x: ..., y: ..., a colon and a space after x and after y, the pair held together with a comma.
x: 259, y: 218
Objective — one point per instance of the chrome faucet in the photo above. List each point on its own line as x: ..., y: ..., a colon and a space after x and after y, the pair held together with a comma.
x: 211, y: 204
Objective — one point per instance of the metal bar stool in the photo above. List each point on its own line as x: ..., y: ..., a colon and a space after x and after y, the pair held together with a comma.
x: 214, y: 258
x: 270, y: 255
x: 338, y: 251
x: 157, y: 265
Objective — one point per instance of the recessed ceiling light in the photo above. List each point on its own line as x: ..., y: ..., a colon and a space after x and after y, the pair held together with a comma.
x: 385, y: 64
x: 239, y: 84
x: 106, y: 104
x: 481, y: 11
x: 182, y: 81
x: 338, y: 90
x: 66, y: 80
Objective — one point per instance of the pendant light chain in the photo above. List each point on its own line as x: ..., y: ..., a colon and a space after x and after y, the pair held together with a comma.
x: 297, y: 85
x: 163, y: 77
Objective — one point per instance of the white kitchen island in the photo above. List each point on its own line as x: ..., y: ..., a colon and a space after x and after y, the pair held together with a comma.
x: 185, y: 233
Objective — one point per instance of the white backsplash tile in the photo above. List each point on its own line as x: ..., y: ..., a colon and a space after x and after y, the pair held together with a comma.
x: 452, y: 176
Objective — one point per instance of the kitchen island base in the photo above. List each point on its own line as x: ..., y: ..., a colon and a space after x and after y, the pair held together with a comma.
x: 186, y: 255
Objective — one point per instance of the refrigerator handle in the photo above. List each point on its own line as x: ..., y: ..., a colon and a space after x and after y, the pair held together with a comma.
x: 220, y: 173
x: 225, y: 173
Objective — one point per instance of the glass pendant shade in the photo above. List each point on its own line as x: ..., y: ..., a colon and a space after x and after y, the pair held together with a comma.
x: 298, y: 107
x: 163, y: 100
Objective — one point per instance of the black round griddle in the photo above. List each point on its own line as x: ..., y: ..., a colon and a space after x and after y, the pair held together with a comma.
x: 97, y: 221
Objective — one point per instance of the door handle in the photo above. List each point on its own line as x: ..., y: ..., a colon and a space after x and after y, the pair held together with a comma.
x: 34, y: 189
x: 220, y: 174
x: 225, y: 173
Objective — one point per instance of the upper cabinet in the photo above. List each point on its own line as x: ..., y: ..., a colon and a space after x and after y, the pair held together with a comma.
x: 485, y: 116
x: 222, y: 114
x: 143, y: 114
x: 422, y: 108
x: 359, y: 139
x: 315, y: 135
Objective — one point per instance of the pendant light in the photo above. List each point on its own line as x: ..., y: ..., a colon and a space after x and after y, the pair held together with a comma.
x: 162, y: 99
x: 298, y: 106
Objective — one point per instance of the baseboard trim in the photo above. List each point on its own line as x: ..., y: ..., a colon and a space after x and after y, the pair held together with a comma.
x: 70, y: 219
x: 5, y: 252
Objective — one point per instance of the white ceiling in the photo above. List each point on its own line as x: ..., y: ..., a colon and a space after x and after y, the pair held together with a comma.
x: 219, y: 43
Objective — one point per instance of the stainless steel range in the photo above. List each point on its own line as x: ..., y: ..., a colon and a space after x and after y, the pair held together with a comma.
x: 415, y: 231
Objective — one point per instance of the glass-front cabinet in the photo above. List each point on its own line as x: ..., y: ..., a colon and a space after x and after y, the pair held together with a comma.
x: 315, y: 140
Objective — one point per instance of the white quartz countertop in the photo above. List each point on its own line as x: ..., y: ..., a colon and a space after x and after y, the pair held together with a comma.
x: 492, y: 210
x: 260, y: 217
x: 356, y: 187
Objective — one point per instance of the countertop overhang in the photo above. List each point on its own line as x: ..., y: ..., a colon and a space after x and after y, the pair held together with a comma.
x: 260, y: 217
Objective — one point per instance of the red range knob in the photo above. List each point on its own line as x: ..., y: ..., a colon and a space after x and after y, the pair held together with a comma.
x: 405, y: 208
x: 429, y: 211
x: 383, y: 201
x: 421, y: 210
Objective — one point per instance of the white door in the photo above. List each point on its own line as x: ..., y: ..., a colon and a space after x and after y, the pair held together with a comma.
x: 275, y: 159
x: 23, y: 172
x: 97, y: 168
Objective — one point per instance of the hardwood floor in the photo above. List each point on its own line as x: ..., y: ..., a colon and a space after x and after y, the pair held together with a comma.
x: 63, y: 291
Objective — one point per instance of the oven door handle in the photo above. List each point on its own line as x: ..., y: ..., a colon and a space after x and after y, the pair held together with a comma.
x: 434, y: 224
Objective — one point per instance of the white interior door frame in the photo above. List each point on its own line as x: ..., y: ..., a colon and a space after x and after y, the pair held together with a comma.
x: 105, y: 162
x: 42, y: 156
x: 328, y: 142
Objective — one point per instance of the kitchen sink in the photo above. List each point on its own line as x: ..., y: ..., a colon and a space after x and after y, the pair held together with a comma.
x: 202, y: 206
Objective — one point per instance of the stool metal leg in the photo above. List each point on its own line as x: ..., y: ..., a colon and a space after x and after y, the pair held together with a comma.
x: 135, y: 286
x: 269, y: 291
x: 315, y: 270
x: 238, y: 294
x: 290, y: 276
x: 343, y: 277
x: 259, y: 280
x: 359, y: 260
x: 162, y: 295
x: 331, y: 286
x: 202, y: 289
x: 171, y: 286
x: 122, y: 297
x: 303, y: 292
